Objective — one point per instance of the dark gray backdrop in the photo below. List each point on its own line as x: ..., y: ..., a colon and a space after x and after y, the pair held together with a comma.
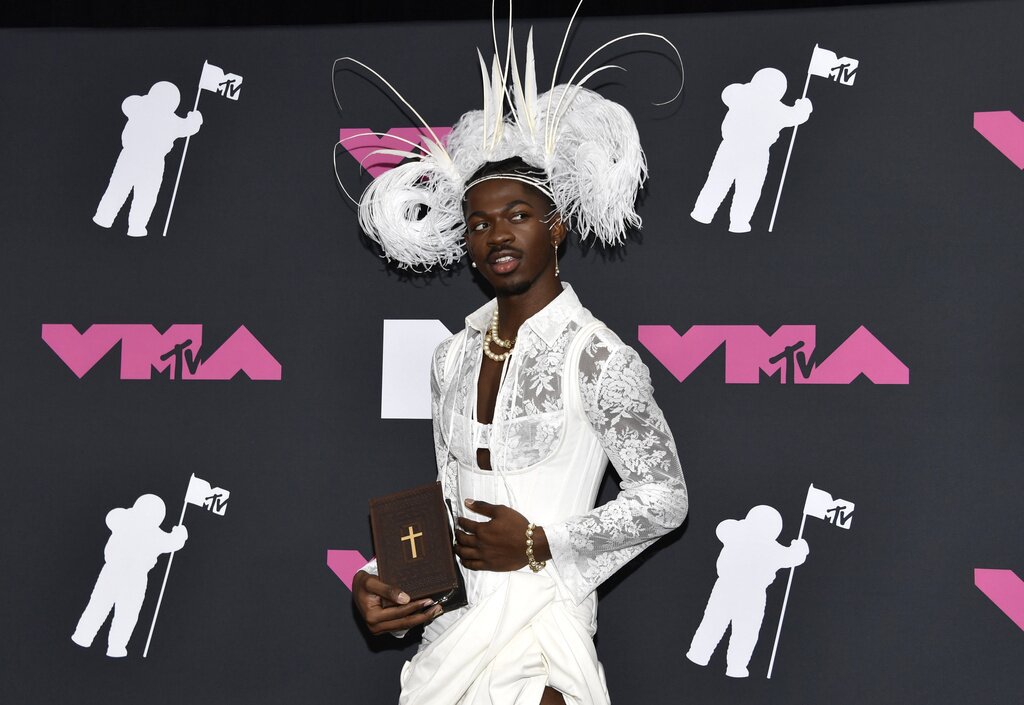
x: 896, y: 215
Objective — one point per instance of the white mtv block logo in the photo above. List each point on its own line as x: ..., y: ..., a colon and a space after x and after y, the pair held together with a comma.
x: 405, y: 380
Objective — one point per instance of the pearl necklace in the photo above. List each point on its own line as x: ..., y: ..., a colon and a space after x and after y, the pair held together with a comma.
x: 492, y: 337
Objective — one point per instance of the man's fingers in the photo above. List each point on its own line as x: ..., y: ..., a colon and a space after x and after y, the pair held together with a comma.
x: 467, y: 553
x: 391, y: 593
x: 384, y: 615
x: 387, y: 608
x: 469, y: 525
x: 464, y: 539
x: 481, y: 507
x: 408, y: 622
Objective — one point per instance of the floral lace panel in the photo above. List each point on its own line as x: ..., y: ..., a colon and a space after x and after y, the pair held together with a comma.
x: 527, y: 440
x: 619, y: 403
x: 528, y: 418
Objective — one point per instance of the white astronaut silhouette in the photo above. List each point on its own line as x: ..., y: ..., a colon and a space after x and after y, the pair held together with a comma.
x: 747, y: 565
x: 147, y: 138
x: 136, y: 541
x: 756, y: 115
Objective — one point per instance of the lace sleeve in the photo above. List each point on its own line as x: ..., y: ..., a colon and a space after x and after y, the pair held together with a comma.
x: 619, y: 403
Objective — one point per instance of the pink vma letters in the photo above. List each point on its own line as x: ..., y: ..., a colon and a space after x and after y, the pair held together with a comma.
x: 361, y: 143
x: 788, y: 352
x: 1005, y: 589
x: 176, y: 351
x: 345, y: 563
x: 1004, y: 131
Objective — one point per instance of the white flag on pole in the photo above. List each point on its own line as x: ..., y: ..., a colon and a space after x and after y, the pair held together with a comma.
x: 201, y: 494
x: 215, y: 79
x: 819, y: 504
x: 828, y: 64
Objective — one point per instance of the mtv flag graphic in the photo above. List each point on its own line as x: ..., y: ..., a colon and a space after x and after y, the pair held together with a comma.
x: 827, y: 64
x: 216, y: 80
x: 819, y: 503
x: 201, y: 494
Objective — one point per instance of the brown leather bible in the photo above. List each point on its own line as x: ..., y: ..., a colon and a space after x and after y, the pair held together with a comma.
x: 413, y: 542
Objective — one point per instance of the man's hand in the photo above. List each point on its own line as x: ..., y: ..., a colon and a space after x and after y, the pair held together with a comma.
x: 386, y: 608
x: 499, y: 544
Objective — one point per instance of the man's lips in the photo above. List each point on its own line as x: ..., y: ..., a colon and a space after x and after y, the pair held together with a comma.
x: 504, y: 261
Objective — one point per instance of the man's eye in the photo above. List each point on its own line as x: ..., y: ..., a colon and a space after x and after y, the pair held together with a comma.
x: 477, y: 227
x: 516, y: 217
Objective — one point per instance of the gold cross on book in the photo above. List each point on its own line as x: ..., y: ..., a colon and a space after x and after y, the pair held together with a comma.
x: 411, y: 538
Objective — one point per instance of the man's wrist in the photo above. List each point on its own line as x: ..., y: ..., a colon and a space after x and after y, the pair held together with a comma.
x: 541, y: 551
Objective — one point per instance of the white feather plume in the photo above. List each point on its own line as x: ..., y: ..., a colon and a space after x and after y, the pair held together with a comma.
x: 415, y: 215
x: 596, y: 166
x: 587, y: 145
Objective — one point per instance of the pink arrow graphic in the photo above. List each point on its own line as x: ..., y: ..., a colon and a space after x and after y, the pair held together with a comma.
x: 1005, y: 131
x: 1005, y: 589
x: 345, y: 564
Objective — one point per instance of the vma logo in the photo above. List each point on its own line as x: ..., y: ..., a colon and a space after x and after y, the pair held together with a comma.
x: 177, y: 352
x: 788, y: 355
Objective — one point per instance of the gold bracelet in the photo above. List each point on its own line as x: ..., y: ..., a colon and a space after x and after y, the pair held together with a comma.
x: 535, y: 565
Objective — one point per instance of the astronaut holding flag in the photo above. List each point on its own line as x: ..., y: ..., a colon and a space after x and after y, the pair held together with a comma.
x: 152, y: 128
x: 136, y: 541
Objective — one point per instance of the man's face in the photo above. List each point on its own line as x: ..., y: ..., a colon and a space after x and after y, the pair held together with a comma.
x: 510, y: 234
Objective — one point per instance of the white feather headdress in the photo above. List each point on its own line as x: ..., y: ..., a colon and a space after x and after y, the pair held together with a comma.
x: 586, y: 146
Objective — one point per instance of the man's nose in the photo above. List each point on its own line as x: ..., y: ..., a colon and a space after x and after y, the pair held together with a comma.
x: 500, y: 233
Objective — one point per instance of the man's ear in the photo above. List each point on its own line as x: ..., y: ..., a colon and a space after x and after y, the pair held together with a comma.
x: 557, y: 230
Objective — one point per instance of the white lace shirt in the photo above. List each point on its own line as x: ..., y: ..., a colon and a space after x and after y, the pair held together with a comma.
x: 610, y: 401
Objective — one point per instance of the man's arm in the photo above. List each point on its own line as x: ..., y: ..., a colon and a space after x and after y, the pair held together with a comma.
x: 652, y: 500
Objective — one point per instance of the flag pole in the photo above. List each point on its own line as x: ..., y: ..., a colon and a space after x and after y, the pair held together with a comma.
x: 181, y: 165
x: 789, y: 584
x: 792, y: 140
x: 170, y: 559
